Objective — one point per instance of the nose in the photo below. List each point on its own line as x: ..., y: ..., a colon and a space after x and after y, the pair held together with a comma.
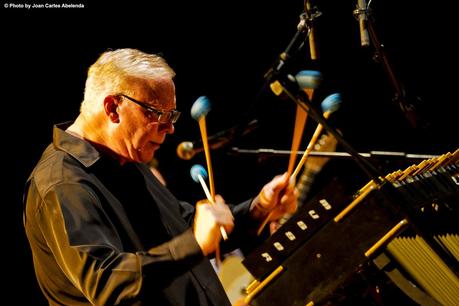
x: 166, y: 127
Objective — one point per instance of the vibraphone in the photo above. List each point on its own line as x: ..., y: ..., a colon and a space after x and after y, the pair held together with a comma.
x: 409, y: 217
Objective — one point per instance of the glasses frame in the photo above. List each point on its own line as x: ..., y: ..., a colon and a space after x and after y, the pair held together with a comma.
x: 163, y: 116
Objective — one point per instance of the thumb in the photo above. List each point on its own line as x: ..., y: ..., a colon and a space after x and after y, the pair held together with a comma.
x: 277, y: 184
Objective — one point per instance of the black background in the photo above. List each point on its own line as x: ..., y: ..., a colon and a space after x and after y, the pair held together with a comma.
x: 222, y: 50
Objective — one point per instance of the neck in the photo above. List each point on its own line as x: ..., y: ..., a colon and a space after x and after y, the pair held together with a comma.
x: 93, y: 131
x: 87, y: 129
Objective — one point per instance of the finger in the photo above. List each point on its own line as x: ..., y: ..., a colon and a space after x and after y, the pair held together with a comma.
x: 279, y: 182
x: 285, y: 199
x: 219, y: 200
x: 290, y: 206
x: 228, y: 228
x: 202, y: 202
x: 273, y: 227
x: 225, y: 219
x: 270, y: 192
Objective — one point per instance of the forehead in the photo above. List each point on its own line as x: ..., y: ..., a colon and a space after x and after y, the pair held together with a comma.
x: 159, y: 92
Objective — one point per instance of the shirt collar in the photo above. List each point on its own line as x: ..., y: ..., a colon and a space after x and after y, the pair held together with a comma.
x: 78, y: 148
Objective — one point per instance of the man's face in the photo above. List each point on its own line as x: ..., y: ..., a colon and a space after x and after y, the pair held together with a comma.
x: 139, y: 132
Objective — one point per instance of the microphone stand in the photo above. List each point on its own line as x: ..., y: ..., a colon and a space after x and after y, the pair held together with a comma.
x: 415, y: 119
x: 304, y: 26
x: 400, y: 97
x: 378, y: 179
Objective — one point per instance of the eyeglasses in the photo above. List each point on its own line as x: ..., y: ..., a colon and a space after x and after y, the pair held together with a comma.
x: 163, y: 116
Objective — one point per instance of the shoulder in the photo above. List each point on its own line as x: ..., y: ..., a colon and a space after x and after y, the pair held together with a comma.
x: 55, y: 167
x: 57, y: 174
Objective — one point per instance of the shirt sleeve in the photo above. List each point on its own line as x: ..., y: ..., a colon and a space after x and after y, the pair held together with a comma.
x: 88, y: 248
x: 244, y: 236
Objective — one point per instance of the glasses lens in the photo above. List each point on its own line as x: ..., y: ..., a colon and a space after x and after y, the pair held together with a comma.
x: 174, y: 116
x: 167, y: 117
x: 164, y: 117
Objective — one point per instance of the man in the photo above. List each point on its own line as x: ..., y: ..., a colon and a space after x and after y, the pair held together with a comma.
x: 102, y: 229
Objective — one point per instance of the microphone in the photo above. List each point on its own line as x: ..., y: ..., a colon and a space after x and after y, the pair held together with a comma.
x: 311, y: 13
x: 293, y: 47
x: 361, y: 14
x: 187, y: 150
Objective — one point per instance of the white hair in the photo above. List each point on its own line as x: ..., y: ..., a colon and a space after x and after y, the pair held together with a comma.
x: 114, y: 69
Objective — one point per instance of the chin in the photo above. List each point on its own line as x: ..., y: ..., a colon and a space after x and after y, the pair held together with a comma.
x: 147, y: 155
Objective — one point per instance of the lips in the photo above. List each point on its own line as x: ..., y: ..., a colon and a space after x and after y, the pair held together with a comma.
x: 155, y: 144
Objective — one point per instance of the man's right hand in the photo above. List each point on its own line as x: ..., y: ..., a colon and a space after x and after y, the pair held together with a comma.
x: 207, y: 221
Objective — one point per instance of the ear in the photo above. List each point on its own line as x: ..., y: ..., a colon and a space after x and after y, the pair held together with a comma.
x: 110, y: 107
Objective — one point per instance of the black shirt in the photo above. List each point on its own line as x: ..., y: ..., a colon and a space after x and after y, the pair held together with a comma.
x: 105, y: 234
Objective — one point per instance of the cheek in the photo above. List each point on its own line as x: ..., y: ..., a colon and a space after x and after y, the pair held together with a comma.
x: 150, y: 129
x: 143, y: 146
x: 143, y: 135
x: 147, y: 133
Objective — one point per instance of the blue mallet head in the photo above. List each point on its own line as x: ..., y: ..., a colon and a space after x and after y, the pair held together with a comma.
x: 331, y: 103
x: 200, y: 108
x: 196, y: 171
x: 308, y: 79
